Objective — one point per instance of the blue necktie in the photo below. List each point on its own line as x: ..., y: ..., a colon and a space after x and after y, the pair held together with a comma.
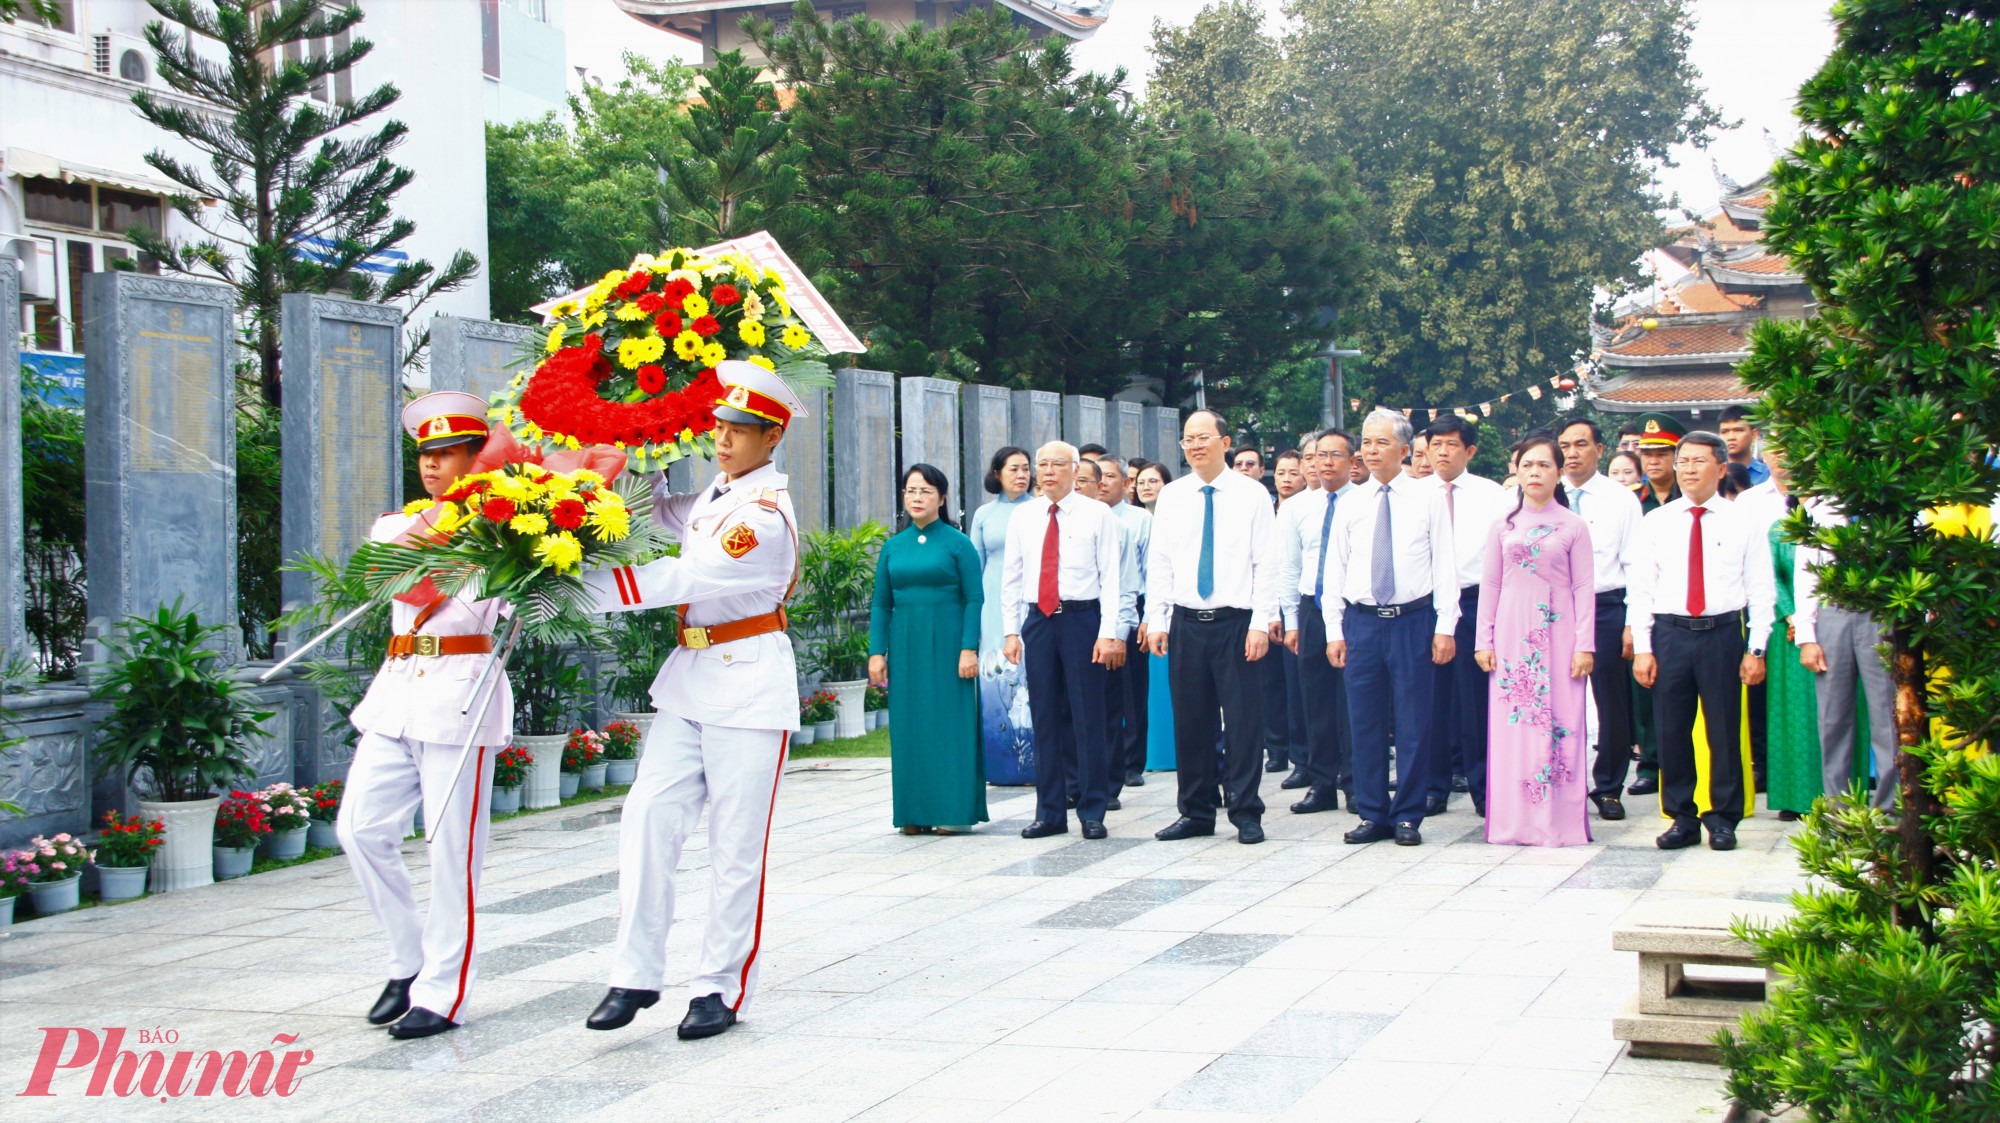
x: 1204, y: 581
x: 1325, y: 528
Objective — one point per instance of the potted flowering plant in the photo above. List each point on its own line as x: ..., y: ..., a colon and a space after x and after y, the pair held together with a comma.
x: 822, y: 712
x: 580, y: 755
x: 125, y: 851
x: 13, y: 883
x: 290, y: 813
x: 621, y: 752
x: 877, y: 703
x: 323, y: 800
x: 241, y: 822
x: 510, y: 771
x: 54, y: 868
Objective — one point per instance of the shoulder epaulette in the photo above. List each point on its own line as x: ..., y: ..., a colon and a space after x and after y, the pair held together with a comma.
x: 768, y: 498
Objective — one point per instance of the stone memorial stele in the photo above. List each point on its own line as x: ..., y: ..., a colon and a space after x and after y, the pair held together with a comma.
x: 985, y: 415
x: 1037, y: 419
x: 864, y: 447
x: 1082, y: 419
x: 342, y: 429
x: 1126, y: 429
x: 802, y: 458
x: 160, y: 448
x: 930, y: 431
x: 480, y: 356
x: 13, y: 516
x: 1162, y: 438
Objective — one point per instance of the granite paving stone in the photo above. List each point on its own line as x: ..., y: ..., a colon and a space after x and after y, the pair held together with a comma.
x: 937, y: 979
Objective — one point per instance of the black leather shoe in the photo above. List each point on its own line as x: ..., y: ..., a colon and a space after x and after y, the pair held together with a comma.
x: 1296, y: 780
x: 1250, y: 832
x: 1369, y: 831
x: 619, y: 1007
x: 1721, y: 836
x: 1042, y: 829
x: 1317, y: 799
x: 420, y: 1022
x: 1093, y: 829
x: 1608, y: 807
x: 1185, y: 827
x: 1135, y: 778
x: 1408, y: 835
x: 1112, y: 804
x: 1460, y: 783
x: 1479, y: 807
x: 1277, y: 764
x: 394, y: 1003
x: 1680, y: 836
x: 1436, y: 805
x: 1644, y: 785
x: 706, y: 1017
x: 1069, y: 804
x: 1788, y: 816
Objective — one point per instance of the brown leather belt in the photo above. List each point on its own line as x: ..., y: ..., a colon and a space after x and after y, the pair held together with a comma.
x: 699, y: 638
x: 427, y: 644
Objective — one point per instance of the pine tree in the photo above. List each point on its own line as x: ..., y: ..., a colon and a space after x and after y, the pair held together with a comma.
x: 1888, y: 406
x: 739, y: 167
x: 300, y: 209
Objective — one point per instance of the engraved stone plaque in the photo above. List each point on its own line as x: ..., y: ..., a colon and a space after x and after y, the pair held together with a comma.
x: 864, y: 447
x: 480, y: 356
x: 930, y: 430
x: 985, y: 415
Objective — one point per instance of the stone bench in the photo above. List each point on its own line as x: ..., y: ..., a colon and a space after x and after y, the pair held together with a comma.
x: 1675, y: 1015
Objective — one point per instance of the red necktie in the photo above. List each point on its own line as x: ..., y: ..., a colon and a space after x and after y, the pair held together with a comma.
x: 1697, y: 581
x: 1048, y: 599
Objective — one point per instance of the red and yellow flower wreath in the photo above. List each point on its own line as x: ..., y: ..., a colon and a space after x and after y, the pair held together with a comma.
x: 632, y: 363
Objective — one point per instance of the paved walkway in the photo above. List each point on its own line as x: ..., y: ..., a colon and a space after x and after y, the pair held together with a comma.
x: 940, y: 979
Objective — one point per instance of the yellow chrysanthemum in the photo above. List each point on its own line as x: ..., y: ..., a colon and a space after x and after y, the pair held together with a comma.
x: 1960, y: 520
x: 449, y: 518
x: 595, y: 319
x: 784, y: 306
x: 688, y: 275
x: 416, y: 505
x: 612, y: 279
x: 776, y: 279
x: 751, y: 332
x: 652, y: 347
x: 530, y: 523
x: 686, y: 346
x: 696, y: 306
x: 630, y: 312
x: 629, y: 351
x: 713, y: 353
x: 586, y: 476
x: 608, y: 523
x: 559, y: 551
x: 563, y: 308
x: 795, y: 336
x: 555, y: 340
x: 510, y: 487
x: 643, y: 261
x: 763, y: 362
x: 753, y: 305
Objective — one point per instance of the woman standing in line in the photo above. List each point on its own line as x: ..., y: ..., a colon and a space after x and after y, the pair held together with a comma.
x: 1146, y: 484
x: 1003, y: 692
x: 1624, y: 468
x: 1537, y: 628
x: 926, y: 619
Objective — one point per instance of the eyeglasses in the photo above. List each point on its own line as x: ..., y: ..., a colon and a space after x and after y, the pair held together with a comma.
x: 1197, y: 441
x: 1052, y: 465
x: 919, y: 492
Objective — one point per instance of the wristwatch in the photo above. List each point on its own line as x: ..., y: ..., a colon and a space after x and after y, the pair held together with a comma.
x: 1757, y: 653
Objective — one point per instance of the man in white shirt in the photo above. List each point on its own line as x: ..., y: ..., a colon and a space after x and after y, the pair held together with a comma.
x: 1841, y: 647
x: 1473, y: 503
x: 1613, y: 515
x: 1094, y: 476
x: 1324, y: 769
x: 1060, y: 603
x: 1392, y: 590
x: 1700, y: 561
x: 1212, y: 582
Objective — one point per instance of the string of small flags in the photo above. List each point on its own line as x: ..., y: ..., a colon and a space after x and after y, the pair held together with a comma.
x: 1562, y: 383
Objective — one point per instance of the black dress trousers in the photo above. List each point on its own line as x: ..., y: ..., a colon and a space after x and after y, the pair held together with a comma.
x: 1699, y: 668
x: 1327, y: 759
x: 1611, y: 686
x: 1209, y: 675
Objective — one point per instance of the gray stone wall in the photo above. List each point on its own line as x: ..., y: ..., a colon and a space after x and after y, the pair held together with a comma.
x: 1083, y: 420
x: 1126, y: 429
x: 160, y: 441
x: 1038, y: 419
x: 930, y: 431
x: 802, y: 457
x: 864, y: 417
x: 48, y: 773
x: 1162, y: 438
x: 985, y: 414
x: 13, y: 527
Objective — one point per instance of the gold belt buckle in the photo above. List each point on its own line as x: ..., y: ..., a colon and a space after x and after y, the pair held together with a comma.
x: 696, y: 638
x: 427, y: 644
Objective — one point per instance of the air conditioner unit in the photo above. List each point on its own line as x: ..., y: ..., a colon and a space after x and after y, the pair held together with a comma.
x: 37, y: 259
x: 131, y: 59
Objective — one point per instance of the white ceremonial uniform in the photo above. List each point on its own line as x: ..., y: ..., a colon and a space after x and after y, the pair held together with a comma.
x: 411, y: 737
x: 726, y: 714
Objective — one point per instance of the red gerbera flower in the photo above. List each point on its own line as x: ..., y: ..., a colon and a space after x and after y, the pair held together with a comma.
x: 706, y: 325
x: 651, y: 302
x: 668, y: 323
x: 568, y: 513
x: 593, y: 343
x: 677, y: 290
x: 652, y: 379
x: 637, y: 281
x: 724, y: 294
x: 498, y: 508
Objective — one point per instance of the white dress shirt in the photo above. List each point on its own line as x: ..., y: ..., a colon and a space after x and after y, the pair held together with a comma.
x: 1245, y: 568
x: 1140, y: 520
x: 1613, y: 514
x: 1087, y: 562
x: 1133, y: 537
x: 1735, y: 564
x: 1297, y: 527
x: 1474, y: 503
x: 1766, y: 500
x: 1805, y: 583
x: 1426, y: 557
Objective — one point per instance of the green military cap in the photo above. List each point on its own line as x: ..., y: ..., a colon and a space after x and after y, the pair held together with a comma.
x: 1658, y: 430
